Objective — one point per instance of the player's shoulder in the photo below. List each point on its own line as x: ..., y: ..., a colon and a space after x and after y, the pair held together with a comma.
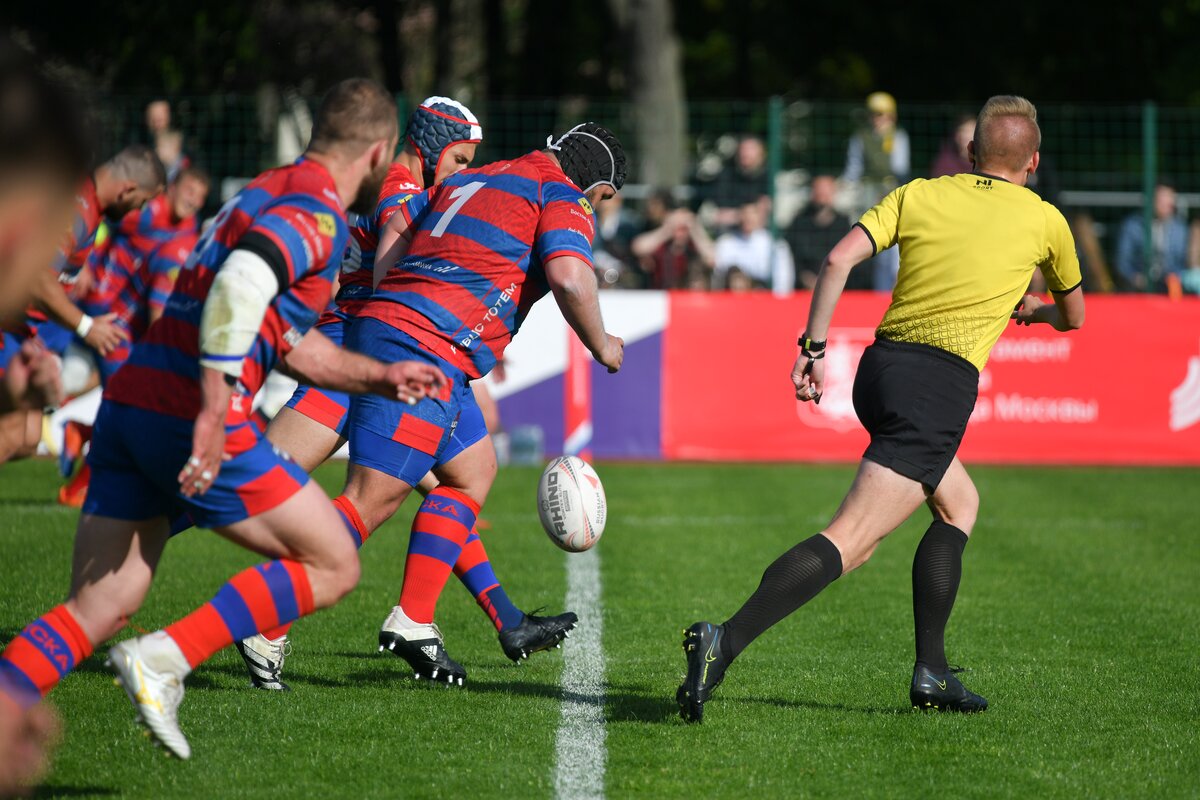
x: 305, y: 178
x: 399, y: 180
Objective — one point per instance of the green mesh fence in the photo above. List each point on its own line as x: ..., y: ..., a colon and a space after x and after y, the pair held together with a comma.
x: 1094, y: 157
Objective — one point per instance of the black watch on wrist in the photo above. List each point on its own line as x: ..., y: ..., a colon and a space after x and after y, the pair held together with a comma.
x: 809, y: 347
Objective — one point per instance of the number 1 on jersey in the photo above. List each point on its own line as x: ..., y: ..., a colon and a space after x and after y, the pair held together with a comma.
x: 461, y: 195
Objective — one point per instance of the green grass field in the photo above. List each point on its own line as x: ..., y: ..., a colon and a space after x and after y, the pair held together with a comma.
x: 1077, y: 617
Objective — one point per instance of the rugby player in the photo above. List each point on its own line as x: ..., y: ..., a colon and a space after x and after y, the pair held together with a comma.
x: 477, y: 251
x: 173, y: 433
x: 123, y: 183
x: 969, y: 245
x: 440, y: 141
x: 120, y: 283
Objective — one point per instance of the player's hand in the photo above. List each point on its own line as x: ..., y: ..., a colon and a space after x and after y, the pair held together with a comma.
x: 33, y: 379
x: 1026, y: 311
x: 613, y: 353
x: 106, y: 334
x: 412, y: 381
x: 28, y: 737
x: 808, y: 376
x: 208, y: 451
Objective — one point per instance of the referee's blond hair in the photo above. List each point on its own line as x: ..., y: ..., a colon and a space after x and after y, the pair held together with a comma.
x: 1006, y: 133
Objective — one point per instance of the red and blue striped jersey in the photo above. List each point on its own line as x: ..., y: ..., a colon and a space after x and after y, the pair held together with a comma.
x: 139, y: 233
x: 74, y: 250
x: 293, y: 218
x: 149, y: 287
x: 358, y: 266
x: 72, y: 253
x: 475, y: 266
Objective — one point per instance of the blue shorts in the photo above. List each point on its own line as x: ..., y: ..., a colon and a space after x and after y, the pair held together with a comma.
x: 136, y: 456
x: 55, y: 336
x: 407, y: 441
x: 10, y: 345
x: 325, y: 406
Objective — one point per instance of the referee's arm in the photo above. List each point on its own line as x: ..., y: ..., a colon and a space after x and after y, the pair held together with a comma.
x: 853, y: 249
x: 1066, y: 313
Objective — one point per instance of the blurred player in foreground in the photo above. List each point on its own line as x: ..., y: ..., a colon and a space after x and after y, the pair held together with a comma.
x: 173, y: 434
x: 44, y: 152
x: 969, y: 245
x: 477, y: 252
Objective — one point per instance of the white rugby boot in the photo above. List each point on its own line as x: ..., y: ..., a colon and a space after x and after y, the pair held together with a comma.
x: 151, y: 670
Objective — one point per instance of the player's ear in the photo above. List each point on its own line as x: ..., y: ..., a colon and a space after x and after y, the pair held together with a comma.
x: 1033, y: 162
x: 381, y: 153
x: 971, y: 151
x: 126, y: 189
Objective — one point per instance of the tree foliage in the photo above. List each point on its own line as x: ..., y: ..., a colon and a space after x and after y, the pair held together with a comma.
x: 922, y: 52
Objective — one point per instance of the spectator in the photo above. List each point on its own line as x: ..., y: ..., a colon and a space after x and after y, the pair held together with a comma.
x: 677, y: 254
x: 815, y: 230
x: 877, y: 161
x: 953, y: 159
x: 166, y: 141
x: 1169, y: 245
x: 766, y: 261
x: 1191, y: 279
x: 615, y: 229
x: 744, y: 180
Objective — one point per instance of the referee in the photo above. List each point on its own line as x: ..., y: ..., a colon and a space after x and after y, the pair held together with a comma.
x: 969, y: 244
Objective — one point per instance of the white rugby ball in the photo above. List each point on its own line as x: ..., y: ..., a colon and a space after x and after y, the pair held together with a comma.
x: 571, y: 503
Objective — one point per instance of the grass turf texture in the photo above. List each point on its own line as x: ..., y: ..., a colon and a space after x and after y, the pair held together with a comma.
x: 1076, y: 617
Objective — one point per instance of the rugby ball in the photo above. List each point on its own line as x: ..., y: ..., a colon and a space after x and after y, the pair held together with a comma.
x: 571, y: 503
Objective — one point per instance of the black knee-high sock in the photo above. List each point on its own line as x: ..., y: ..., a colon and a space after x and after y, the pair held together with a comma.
x: 936, y: 572
x: 791, y: 581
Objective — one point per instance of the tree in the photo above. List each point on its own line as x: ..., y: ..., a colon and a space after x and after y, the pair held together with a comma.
x: 654, y: 80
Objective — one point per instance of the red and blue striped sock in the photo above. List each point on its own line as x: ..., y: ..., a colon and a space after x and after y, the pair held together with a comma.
x: 475, y: 571
x: 358, y: 531
x: 439, y: 532
x: 41, y: 656
x: 260, y: 598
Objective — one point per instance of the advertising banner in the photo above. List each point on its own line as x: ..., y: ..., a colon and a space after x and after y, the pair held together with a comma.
x: 1123, y: 390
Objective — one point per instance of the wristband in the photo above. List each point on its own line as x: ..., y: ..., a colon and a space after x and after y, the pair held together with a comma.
x: 809, y: 348
x: 84, y: 327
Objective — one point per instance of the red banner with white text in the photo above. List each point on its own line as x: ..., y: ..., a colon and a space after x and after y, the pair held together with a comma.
x: 1125, y: 389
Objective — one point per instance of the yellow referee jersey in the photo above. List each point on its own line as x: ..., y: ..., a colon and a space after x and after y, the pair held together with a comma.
x: 968, y: 246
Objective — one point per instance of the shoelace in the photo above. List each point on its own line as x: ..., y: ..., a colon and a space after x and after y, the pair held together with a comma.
x: 280, y: 651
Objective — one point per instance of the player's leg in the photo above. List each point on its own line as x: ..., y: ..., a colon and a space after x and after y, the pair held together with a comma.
x: 307, y: 428
x: 310, y: 569
x: 439, y: 533
x: 936, y: 573
x: 520, y: 634
x: 20, y: 432
x: 118, y: 541
x: 487, y: 406
x: 113, y: 566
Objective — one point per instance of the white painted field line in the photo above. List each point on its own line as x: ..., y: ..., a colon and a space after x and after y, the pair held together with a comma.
x: 580, y: 751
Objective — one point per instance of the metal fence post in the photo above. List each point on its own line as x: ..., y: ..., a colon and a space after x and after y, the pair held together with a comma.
x: 1149, y: 178
x: 774, y: 154
x: 401, y: 115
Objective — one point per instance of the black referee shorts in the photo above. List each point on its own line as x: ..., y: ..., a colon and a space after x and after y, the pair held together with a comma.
x: 915, y: 401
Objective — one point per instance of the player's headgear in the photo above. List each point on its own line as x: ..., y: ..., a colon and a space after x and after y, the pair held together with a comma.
x: 435, y: 125
x: 590, y: 156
